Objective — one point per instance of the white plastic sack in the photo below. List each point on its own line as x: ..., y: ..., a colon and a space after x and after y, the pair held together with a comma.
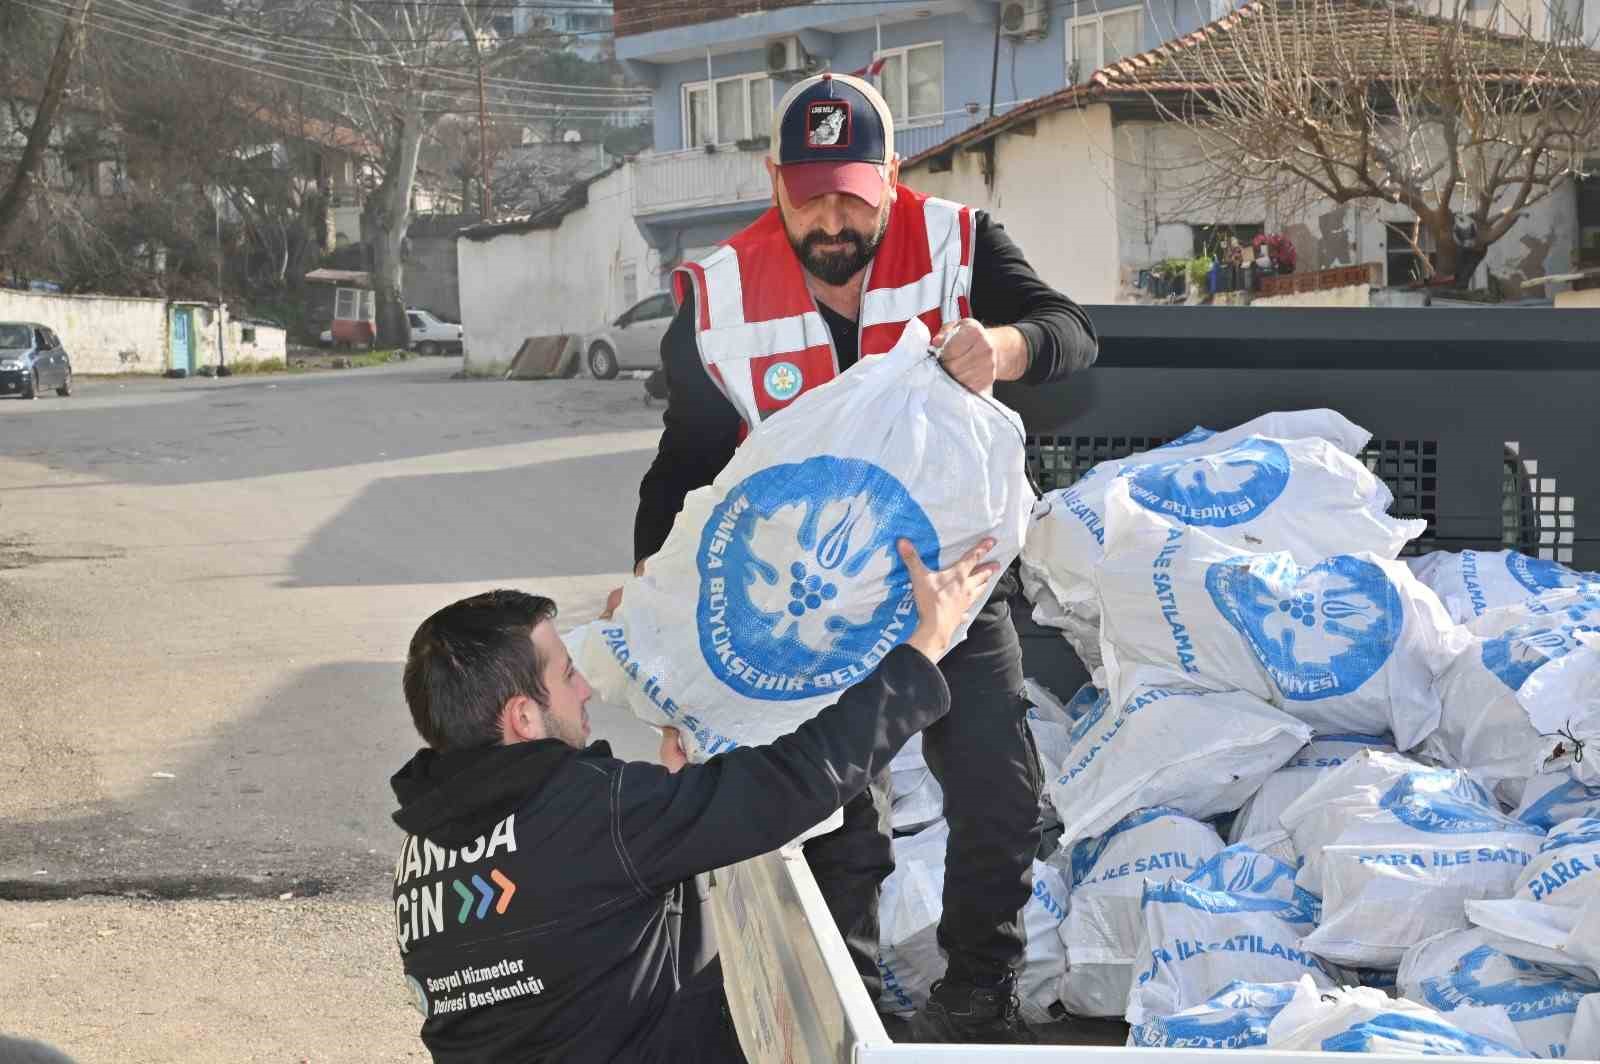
x: 1351, y: 643
x: 1234, y: 1018
x: 1106, y: 876
x: 1079, y: 625
x: 1052, y: 741
x: 1067, y: 535
x: 909, y: 906
x: 1485, y: 726
x: 917, y: 799
x: 1403, y: 871
x: 1396, y: 791
x: 1044, y: 705
x: 1171, y: 743
x: 1564, y: 697
x: 1463, y: 968
x: 1259, y: 816
x: 1553, y: 797
x: 1585, y: 1043
x: 909, y: 957
x: 1552, y: 935
x: 780, y: 585
x: 1363, y: 1020
x: 1474, y: 582
x: 1198, y: 937
x: 1566, y: 871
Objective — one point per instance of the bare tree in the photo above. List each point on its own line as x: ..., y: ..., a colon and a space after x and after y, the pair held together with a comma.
x: 418, y: 62
x: 1465, y: 115
x: 21, y: 183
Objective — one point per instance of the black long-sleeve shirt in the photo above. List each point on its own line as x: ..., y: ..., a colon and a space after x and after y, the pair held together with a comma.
x: 702, y: 426
x: 594, y: 948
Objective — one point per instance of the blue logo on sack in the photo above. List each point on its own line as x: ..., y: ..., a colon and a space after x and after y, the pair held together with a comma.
x: 1214, y: 490
x: 783, y: 381
x: 1429, y: 1037
x: 1568, y: 800
x: 1527, y: 991
x: 1320, y: 632
x: 1086, y: 853
x: 1088, y: 697
x: 787, y: 614
x: 1235, y: 1018
x: 1242, y: 871
x: 1091, y: 717
x: 1447, y: 802
x: 1522, y: 651
x: 1539, y: 575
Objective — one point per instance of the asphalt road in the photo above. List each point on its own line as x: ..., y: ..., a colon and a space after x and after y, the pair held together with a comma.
x: 206, y: 590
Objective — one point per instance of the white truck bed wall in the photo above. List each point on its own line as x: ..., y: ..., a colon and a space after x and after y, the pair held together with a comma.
x: 796, y: 998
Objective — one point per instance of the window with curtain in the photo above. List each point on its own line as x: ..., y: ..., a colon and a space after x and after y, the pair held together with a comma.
x: 912, y: 82
x: 727, y: 110
x: 1100, y: 40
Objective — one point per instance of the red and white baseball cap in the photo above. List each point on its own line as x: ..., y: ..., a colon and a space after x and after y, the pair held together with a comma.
x: 833, y: 133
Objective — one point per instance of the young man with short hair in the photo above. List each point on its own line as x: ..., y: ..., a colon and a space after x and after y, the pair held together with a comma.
x: 545, y: 899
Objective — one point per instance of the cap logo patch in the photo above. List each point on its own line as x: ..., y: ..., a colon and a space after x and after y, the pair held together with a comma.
x: 828, y: 124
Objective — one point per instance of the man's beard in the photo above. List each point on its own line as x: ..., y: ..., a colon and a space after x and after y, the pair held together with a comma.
x: 558, y: 728
x: 836, y: 267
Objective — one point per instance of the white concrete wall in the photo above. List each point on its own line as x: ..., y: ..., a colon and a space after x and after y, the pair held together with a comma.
x: 269, y: 343
x: 1089, y: 217
x: 562, y: 280
x: 1053, y: 191
x: 102, y: 334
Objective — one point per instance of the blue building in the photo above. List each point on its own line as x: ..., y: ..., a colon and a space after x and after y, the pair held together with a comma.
x: 717, y: 69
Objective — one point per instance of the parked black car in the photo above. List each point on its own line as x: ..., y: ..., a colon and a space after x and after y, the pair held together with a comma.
x: 31, y: 360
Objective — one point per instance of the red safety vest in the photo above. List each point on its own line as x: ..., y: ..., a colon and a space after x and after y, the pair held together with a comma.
x: 759, y: 332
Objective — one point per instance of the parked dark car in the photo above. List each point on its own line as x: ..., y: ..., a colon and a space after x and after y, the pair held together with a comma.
x: 31, y: 360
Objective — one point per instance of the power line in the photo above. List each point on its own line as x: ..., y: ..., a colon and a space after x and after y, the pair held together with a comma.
x: 211, y: 23
x: 203, y: 50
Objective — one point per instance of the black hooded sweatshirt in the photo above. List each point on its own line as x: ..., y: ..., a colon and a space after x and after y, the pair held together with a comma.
x: 545, y: 901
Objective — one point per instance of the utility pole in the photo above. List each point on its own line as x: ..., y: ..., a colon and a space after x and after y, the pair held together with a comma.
x: 994, y: 63
x: 483, y: 145
x: 222, y: 346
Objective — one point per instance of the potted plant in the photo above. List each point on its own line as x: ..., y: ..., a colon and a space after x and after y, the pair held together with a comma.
x: 1172, y: 273
x: 1197, y: 272
x: 1274, y: 251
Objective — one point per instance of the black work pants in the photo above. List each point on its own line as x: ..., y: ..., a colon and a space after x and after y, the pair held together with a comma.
x: 983, y: 756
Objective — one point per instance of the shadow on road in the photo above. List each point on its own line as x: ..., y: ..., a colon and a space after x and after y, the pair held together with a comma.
x: 298, y: 424
x: 295, y: 789
x: 568, y: 517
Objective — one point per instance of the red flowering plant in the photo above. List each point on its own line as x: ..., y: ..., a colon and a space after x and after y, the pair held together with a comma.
x: 1280, y: 250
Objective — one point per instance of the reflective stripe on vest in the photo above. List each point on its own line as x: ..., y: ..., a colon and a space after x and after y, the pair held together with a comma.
x: 759, y: 332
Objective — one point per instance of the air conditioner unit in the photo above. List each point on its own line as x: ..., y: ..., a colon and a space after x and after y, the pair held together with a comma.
x: 786, y: 55
x: 1024, y: 19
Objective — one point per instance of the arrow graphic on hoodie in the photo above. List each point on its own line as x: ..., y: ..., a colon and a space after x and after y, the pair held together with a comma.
x: 487, y: 891
x: 466, y: 900
x: 507, y: 888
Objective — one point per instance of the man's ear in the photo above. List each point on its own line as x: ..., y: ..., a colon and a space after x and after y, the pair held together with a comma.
x: 521, y: 721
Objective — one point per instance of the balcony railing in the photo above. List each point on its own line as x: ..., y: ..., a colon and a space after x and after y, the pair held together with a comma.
x: 678, y: 180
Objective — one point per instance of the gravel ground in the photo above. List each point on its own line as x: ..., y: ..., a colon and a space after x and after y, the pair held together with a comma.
x: 118, y: 979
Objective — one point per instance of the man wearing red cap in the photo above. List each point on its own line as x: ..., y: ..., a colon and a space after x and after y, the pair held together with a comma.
x: 847, y: 257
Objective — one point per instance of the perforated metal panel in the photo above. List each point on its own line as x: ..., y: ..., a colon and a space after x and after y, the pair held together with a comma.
x: 1058, y: 461
x: 1411, y: 469
x: 1536, y: 518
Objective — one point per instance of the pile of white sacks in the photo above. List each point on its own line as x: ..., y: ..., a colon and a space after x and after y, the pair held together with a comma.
x: 1316, y: 797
